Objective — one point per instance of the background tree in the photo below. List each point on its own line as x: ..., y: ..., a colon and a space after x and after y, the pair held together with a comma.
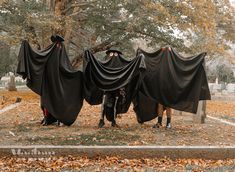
x: 189, y: 26
x: 5, y: 59
x: 224, y: 73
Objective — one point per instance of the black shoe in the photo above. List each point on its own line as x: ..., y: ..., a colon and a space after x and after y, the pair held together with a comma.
x: 114, y: 124
x: 48, y: 120
x: 101, y: 123
x: 158, y: 125
x: 159, y: 120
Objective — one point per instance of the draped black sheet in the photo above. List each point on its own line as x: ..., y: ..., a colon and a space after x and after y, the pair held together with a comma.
x: 49, y: 74
x: 171, y: 80
x: 148, y: 79
x: 108, y: 77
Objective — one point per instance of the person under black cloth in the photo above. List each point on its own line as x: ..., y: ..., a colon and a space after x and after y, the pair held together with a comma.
x: 48, y: 118
x: 111, y: 98
x: 160, y: 111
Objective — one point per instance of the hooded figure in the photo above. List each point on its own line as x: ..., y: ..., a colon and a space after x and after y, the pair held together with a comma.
x: 112, y: 82
x: 160, y: 108
x: 111, y: 98
x: 50, y: 74
x: 48, y: 118
x: 173, y: 81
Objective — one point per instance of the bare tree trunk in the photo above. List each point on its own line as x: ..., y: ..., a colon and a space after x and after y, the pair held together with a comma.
x: 65, y: 21
x: 50, y: 4
x: 69, y: 29
x: 33, y: 36
x: 60, y: 8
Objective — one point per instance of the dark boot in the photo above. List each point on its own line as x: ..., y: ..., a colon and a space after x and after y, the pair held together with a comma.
x: 159, y: 123
x: 168, y: 123
x: 101, y: 123
x: 48, y: 120
x: 114, y: 124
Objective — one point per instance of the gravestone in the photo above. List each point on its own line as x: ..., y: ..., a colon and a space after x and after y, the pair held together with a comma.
x: 12, y: 84
x: 201, y: 113
x: 200, y: 116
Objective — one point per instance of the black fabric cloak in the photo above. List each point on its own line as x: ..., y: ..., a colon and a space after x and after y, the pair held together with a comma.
x: 108, y: 77
x: 173, y: 81
x: 49, y: 74
x: 150, y: 78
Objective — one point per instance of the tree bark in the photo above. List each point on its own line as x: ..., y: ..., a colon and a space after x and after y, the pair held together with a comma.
x: 33, y: 36
x: 60, y: 9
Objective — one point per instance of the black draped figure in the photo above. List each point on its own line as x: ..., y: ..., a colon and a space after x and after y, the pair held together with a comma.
x: 110, y: 98
x: 170, y: 80
x: 148, y: 79
x: 112, y: 82
x: 49, y: 74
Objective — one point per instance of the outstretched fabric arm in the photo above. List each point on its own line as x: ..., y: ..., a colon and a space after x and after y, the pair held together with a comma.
x: 110, y: 76
x: 173, y: 81
x: 50, y: 74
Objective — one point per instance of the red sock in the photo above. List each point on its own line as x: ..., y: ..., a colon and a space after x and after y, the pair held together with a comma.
x: 45, y: 112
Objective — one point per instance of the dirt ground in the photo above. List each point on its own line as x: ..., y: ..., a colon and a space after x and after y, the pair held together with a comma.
x: 222, y: 109
x: 21, y: 126
x: 9, y: 97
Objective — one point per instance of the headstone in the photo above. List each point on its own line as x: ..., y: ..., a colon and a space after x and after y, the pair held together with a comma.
x: 12, y: 84
x: 216, y: 81
x: 201, y: 113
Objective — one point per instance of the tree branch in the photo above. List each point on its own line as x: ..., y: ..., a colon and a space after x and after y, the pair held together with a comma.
x: 97, y: 48
x: 84, y: 4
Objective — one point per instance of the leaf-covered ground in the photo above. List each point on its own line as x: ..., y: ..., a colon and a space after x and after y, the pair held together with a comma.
x: 222, y: 109
x: 21, y: 126
x: 9, y: 97
x: 70, y: 163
